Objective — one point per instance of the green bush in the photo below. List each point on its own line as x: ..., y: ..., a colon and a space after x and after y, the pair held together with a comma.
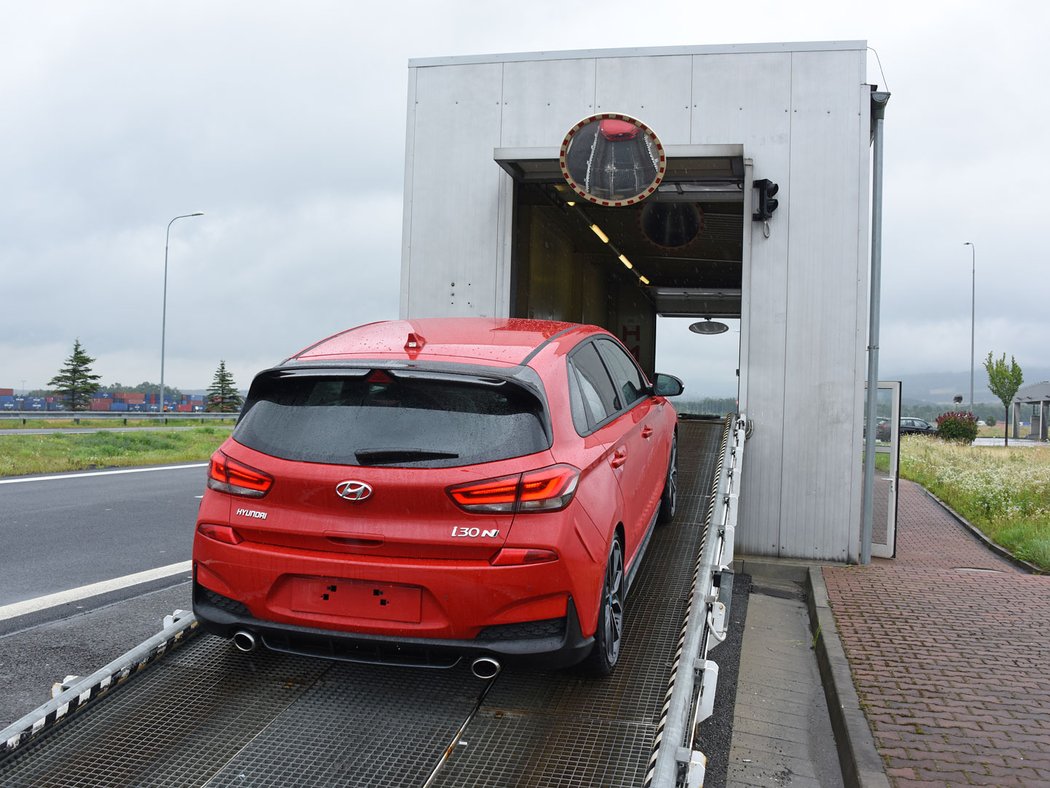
x: 990, y: 421
x: 958, y: 426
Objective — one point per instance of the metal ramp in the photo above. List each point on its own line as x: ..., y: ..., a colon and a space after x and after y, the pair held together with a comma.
x: 206, y: 714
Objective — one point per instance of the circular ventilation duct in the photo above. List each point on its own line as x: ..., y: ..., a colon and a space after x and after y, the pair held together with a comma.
x: 671, y: 224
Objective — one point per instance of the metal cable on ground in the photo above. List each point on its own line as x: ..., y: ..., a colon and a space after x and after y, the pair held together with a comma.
x: 459, y: 734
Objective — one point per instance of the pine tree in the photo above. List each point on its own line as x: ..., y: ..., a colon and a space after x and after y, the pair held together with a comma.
x: 222, y: 394
x: 75, y: 382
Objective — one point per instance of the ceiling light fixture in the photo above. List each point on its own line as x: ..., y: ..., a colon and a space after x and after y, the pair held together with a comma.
x: 598, y: 231
x: 708, y: 326
x: 605, y: 240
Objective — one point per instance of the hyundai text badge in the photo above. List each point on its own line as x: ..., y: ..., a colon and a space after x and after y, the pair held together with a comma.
x: 353, y: 490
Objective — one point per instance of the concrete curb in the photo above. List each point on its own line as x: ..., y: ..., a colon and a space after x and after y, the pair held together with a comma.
x: 861, y: 763
x: 1000, y: 551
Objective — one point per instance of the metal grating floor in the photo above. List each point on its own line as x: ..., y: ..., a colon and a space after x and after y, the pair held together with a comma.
x: 563, y: 729
x: 209, y: 715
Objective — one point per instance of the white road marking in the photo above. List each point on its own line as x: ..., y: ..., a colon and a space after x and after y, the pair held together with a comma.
x: 80, y: 474
x: 16, y: 609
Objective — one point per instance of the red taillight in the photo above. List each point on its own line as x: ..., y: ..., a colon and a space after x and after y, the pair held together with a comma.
x: 548, y: 489
x: 220, y: 533
x: 545, y: 490
x: 491, y: 495
x: 227, y: 475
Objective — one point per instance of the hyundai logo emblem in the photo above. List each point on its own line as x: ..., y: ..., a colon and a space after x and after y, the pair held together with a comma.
x: 353, y: 490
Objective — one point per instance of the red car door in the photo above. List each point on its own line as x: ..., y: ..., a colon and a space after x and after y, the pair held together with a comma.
x: 641, y: 476
x: 619, y: 416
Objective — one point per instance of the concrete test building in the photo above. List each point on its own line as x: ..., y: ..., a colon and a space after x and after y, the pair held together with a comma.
x: 492, y: 228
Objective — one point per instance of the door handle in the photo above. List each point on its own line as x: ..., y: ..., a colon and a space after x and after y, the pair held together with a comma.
x: 647, y: 431
x: 619, y: 458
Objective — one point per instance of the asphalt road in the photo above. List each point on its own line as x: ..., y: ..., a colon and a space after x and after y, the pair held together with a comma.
x: 69, y: 530
x: 66, y: 531
x: 77, y: 640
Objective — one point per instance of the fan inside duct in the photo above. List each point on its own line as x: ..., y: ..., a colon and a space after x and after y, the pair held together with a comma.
x: 671, y: 224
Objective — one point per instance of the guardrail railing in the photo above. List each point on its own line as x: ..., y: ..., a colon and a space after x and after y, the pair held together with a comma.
x: 691, y: 697
x: 78, y: 416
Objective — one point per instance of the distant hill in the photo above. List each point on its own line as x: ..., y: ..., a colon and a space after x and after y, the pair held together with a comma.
x: 940, y: 387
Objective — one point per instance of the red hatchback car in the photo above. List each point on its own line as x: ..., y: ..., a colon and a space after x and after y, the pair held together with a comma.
x: 418, y: 491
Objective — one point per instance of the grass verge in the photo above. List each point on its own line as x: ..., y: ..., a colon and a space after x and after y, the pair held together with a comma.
x: 1003, y: 491
x: 58, y: 452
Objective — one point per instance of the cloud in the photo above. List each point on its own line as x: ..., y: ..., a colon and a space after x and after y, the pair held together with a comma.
x: 286, y: 125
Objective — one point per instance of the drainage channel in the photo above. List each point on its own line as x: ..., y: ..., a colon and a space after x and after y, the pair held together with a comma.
x: 207, y: 714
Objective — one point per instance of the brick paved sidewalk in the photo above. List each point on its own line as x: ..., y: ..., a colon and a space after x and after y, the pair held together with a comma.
x: 949, y: 648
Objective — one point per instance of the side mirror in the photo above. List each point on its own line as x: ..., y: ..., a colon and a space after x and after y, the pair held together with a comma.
x: 667, y: 385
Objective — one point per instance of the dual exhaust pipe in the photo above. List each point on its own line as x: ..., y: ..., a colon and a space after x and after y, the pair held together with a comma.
x: 485, y: 667
x: 244, y: 640
x: 481, y: 667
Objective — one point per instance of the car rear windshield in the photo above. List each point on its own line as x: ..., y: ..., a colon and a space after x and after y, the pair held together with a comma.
x: 380, y: 419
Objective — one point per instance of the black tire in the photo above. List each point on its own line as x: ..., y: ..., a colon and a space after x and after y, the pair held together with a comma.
x: 669, y: 497
x: 608, y: 637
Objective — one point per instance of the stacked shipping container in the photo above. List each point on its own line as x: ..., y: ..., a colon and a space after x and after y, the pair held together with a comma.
x: 105, y: 401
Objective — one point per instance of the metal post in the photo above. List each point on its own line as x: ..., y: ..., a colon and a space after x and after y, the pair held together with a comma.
x: 164, y: 305
x: 973, y: 309
x: 878, y: 114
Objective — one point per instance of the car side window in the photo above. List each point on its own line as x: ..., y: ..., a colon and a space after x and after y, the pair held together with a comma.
x: 580, y: 410
x: 628, y: 379
x: 595, y: 387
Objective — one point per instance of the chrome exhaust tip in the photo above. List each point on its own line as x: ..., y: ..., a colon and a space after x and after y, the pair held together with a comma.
x: 485, y: 667
x: 244, y: 640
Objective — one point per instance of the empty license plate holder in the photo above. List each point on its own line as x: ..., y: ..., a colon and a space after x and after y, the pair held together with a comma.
x: 357, y: 599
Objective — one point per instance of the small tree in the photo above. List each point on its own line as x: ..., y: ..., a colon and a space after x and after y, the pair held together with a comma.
x: 75, y: 382
x: 222, y: 394
x: 1004, y: 380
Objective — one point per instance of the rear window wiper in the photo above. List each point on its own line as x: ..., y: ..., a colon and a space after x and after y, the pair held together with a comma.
x: 391, y: 456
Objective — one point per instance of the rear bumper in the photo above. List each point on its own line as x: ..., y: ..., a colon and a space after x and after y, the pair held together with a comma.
x: 555, y: 644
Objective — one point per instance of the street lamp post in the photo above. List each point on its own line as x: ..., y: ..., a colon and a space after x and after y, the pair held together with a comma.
x: 973, y: 310
x: 164, y: 306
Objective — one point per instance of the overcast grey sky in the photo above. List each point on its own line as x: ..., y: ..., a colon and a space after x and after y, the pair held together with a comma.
x: 285, y: 123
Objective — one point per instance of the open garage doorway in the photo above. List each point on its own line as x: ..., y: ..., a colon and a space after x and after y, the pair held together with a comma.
x: 708, y: 364
x: 647, y: 271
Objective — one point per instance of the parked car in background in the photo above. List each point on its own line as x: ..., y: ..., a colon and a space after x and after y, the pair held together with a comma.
x: 916, y: 426
x: 882, y: 428
x: 419, y: 491
x: 911, y: 425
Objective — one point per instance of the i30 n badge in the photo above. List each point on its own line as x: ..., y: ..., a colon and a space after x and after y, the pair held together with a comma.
x: 523, y: 465
x: 353, y: 490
